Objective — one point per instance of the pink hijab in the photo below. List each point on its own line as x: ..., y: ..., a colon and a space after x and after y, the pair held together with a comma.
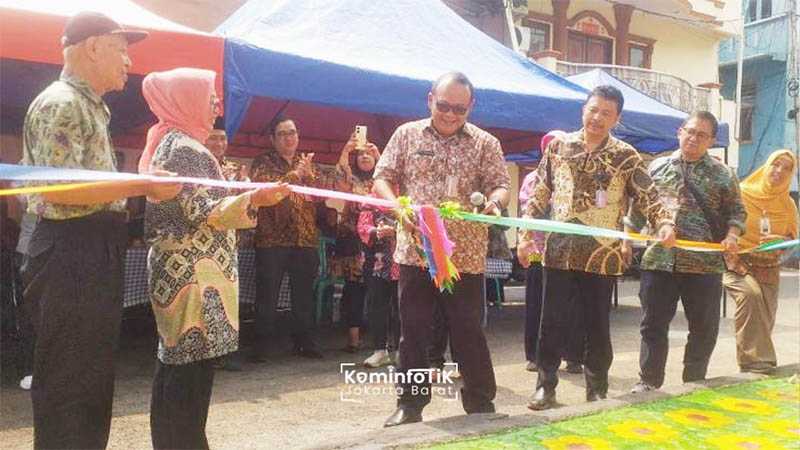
x: 180, y: 99
x: 527, y: 184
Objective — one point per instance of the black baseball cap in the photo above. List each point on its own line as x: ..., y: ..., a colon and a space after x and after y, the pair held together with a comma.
x: 87, y: 24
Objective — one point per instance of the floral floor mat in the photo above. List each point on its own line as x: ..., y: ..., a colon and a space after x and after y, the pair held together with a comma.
x: 757, y: 415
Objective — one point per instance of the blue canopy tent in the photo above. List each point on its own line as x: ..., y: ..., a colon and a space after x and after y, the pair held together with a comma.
x: 647, y: 124
x: 335, y: 64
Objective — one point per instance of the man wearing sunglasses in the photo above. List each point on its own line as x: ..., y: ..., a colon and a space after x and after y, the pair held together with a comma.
x: 704, y: 197
x: 443, y: 158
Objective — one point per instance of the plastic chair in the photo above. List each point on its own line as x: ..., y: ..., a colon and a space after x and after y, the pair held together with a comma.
x: 324, y: 279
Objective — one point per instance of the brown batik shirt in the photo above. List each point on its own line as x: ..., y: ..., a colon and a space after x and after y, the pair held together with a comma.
x: 419, y: 161
x: 292, y: 222
x: 565, y: 189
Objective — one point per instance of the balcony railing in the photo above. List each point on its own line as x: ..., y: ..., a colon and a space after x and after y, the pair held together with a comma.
x: 666, y: 88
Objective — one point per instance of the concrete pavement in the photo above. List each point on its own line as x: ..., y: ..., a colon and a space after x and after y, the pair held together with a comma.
x: 291, y: 402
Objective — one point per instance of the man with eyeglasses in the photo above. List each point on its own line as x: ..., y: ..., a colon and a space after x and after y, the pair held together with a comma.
x: 443, y: 158
x: 286, y: 241
x: 703, y: 196
x: 587, y: 177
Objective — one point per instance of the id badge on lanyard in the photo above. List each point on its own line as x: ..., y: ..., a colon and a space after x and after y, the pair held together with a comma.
x: 601, y: 198
x: 451, y: 186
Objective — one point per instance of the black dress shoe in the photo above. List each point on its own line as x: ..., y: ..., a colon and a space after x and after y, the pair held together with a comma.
x: 592, y: 396
x: 542, y: 400
x: 403, y: 416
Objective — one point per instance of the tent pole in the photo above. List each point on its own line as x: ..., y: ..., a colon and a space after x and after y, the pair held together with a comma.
x: 512, y: 31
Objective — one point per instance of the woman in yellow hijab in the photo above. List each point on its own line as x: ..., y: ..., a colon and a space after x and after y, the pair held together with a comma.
x: 752, y: 279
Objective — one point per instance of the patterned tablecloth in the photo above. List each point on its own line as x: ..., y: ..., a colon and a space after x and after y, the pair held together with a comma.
x: 498, y: 268
x: 135, y: 292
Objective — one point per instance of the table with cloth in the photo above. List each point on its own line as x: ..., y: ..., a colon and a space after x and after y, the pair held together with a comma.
x: 135, y: 292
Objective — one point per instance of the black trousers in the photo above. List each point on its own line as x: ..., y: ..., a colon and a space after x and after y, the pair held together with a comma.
x: 384, y: 318
x: 462, y: 308
x: 440, y: 339
x: 592, y: 294
x: 271, y: 264
x: 73, y: 274
x: 533, y: 309
x: 353, y: 296
x: 179, y: 405
x: 575, y: 346
x: 25, y: 312
x: 659, y: 292
x: 576, y: 337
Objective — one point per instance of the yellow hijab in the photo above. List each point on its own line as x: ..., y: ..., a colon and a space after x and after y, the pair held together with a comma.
x: 759, y: 197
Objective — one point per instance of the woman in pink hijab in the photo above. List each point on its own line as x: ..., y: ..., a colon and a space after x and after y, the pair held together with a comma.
x: 192, y: 263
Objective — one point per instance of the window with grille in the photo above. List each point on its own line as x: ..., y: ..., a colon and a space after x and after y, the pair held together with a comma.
x: 766, y: 8
x: 582, y: 48
x: 540, y: 36
x: 751, y: 13
x: 639, y: 55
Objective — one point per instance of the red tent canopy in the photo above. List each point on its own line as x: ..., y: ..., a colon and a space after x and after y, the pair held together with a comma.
x: 31, y: 31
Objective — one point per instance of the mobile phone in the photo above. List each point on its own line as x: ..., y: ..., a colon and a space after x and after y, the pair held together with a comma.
x: 361, y: 136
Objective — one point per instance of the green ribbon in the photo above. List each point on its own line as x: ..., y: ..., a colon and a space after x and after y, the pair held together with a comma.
x: 549, y: 226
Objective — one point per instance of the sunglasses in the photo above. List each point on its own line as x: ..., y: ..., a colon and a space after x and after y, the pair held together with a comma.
x: 444, y: 107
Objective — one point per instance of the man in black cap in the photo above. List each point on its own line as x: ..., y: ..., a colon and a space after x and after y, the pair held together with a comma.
x: 73, y: 268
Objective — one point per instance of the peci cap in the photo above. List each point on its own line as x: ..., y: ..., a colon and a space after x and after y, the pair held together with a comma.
x: 87, y: 24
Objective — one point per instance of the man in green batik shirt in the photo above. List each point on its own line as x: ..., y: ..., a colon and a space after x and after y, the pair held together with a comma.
x: 703, y: 196
x: 73, y: 265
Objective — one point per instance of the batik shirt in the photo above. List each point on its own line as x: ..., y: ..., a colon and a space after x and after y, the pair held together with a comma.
x: 350, y: 257
x: 235, y: 171
x: 378, y: 253
x: 292, y: 222
x: 565, y: 188
x: 192, y: 264
x: 420, y: 161
x: 67, y: 126
x: 719, y: 189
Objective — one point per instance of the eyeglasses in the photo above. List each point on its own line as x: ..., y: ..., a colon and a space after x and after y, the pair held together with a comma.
x: 286, y: 134
x: 445, y: 107
x: 696, y: 134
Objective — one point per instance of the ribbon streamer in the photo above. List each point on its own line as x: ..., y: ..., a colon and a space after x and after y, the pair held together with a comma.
x: 438, y: 249
x: 82, y: 179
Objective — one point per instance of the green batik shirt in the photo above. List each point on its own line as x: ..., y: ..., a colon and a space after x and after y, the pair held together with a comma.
x: 67, y: 126
x: 719, y: 189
